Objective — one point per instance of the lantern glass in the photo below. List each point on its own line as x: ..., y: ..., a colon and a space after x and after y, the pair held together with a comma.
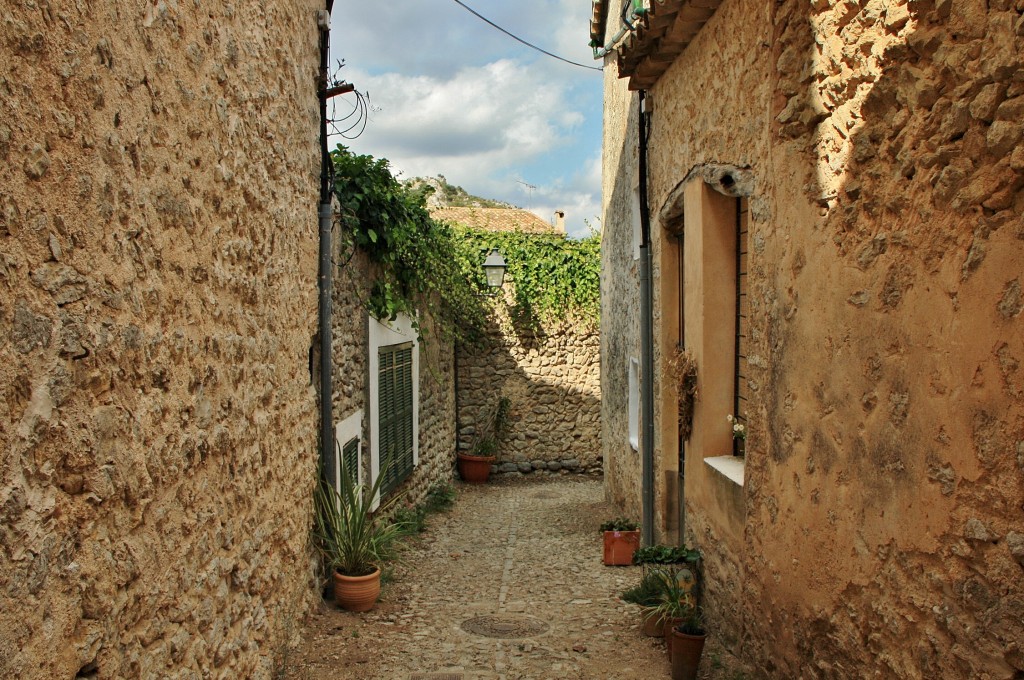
x: 494, y: 269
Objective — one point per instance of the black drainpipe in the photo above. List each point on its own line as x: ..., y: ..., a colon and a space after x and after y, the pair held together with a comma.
x: 324, y: 92
x: 646, y: 339
x: 324, y: 278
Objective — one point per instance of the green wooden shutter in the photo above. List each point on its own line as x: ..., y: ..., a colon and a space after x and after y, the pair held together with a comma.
x: 395, y: 414
x: 350, y: 460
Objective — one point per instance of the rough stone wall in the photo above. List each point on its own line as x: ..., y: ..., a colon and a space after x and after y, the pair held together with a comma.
x: 620, y: 290
x: 437, y: 417
x: 552, y: 382
x: 353, y: 282
x: 158, y: 192
x: 885, y: 456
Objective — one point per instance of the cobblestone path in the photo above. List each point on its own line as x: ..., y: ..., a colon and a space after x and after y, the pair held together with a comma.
x: 522, y: 558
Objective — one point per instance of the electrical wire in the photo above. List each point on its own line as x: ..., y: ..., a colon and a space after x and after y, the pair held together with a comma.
x: 360, y: 110
x: 516, y: 37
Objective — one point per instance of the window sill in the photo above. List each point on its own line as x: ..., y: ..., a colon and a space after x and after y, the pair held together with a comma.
x: 730, y: 467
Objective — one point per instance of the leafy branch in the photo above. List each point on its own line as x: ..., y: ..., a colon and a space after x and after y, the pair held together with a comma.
x: 433, y: 267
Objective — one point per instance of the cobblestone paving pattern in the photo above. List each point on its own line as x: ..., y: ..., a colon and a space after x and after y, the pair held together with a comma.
x: 525, y: 551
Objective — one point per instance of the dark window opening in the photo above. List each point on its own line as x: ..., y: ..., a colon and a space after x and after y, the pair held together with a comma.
x: 741, y: 388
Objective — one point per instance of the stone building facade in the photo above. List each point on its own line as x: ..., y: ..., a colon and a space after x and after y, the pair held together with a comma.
x: 550, y: 373
x: 158, y: 193
x: 855, y: 170
x: 355, y: 347
x: 552, y: 381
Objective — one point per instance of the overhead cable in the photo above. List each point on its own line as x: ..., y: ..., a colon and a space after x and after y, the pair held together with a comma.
x: 516, y: 37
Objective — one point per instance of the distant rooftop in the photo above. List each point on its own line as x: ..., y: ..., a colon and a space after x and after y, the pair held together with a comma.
x: 495, y: 219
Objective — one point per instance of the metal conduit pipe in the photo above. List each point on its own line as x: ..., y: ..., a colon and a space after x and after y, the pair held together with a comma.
x: 636, y: 10
x: 325, y: 280
x: 646, y: 340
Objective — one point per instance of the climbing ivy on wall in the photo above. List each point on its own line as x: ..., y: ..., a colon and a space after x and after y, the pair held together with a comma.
x: 553, y: 278
x: 417, y: 267
x: 431, y: 266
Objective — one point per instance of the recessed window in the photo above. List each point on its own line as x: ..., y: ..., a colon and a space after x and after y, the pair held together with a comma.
x: 634, y: 404
x: 350, y: 460
x: 394, y: 401
x: 741, y: 389
x: 395, y: 413
x: 635, y: 219
x: 348, y: 449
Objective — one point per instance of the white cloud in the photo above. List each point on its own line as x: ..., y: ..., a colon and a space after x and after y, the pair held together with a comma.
x: 480, y: 122
x: 453, y: 96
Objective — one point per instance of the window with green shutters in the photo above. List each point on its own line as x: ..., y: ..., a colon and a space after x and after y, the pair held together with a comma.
x: 395, y: 413
x: 350, y: 460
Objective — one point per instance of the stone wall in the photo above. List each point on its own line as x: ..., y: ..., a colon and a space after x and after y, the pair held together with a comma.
x: 158, y: 191
x: 620, y: 293
x: 552, y: 382
x: 353, y: 282
x: 878, y: 527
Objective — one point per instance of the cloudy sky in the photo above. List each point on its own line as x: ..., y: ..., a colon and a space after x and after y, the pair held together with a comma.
x: 451, y: 95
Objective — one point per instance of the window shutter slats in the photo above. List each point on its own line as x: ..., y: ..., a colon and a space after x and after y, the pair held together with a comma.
x: 395, y: 397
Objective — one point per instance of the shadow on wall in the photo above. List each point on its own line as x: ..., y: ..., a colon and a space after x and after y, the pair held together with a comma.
x: 552, y: 383
x: 915, y: 169
x: 620, y: 317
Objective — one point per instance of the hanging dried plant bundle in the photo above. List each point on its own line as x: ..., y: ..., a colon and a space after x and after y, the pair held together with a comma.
x: 684, y: 368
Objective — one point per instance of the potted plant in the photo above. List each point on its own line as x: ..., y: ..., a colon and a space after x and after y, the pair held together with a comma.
x: 676, y: 598
x: 665, y: 554
x: 475, y: 467
x: 688, y: 638
x: 739, y: 435
x: 621, y: 539
x: 647, y: 594
x: 353, y: 540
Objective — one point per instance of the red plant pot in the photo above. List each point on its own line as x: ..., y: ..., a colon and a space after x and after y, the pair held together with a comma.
x: 686, y: 653
x: 356, y: 593
x: 474, y: 469
x: 619, y: 547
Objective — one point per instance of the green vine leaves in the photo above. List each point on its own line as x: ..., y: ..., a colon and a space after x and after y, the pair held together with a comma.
x: 423, y: 265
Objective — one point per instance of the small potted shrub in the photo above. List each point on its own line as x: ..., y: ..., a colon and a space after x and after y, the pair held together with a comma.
x: 354, y: 542
x: 475, y: 467
x: 665, y: 555
x: 688, y: 637
x: 647, y: 594
x: 621, y: 540
x: 675, y: 598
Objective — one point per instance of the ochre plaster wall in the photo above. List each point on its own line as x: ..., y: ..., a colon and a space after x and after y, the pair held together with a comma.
x: 158, y: 191
x: 882, y: 530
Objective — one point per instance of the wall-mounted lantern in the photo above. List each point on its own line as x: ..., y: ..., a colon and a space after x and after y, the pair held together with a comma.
x: 494, y: 270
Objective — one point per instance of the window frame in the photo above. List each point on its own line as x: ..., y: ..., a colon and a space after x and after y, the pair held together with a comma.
x: 395, y: 414
x: 633, y: 403
x: 382, y: 334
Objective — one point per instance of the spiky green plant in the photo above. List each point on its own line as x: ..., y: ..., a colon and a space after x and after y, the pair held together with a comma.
x: 349, y: 533
x: 675, y: 600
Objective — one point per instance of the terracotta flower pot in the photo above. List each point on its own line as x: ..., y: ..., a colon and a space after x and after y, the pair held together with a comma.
x: 356, y: 593
x: 686, y: 653
x: 652, y: 625
x: 619, y: 547
x: 668, y: 626
x: 474, y: 469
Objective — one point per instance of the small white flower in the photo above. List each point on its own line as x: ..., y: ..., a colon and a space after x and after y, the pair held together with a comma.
x: 729, y: 418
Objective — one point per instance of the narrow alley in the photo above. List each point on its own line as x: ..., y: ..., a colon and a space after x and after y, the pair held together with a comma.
x: 508, y: 584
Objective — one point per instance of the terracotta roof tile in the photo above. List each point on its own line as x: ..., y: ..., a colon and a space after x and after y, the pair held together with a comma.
x: 494, y: 219
x: 662, y: 35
